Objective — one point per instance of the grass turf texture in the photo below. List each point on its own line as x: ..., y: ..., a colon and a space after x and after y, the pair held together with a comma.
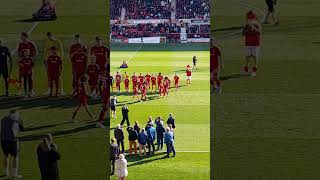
x: 83, y: 147
x: 190, y: 107
x: 266, y: 127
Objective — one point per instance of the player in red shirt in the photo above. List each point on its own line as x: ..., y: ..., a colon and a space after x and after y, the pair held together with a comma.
x: 82, y: 97
x: 79, y: 62
x: 166, y: 85
x: 101, y: 53
x: 76, y: 45
x: 135, y: 92
x: 54, y: 68
x: 105, y: 104
x: 161, y: 89
x: 148, y: 78
x: 189, y: 74
x: 118, y: 81
x: 252, y: 33
x: 25, y: 44
x: 93, y: 73
x: 144, y: 91
x: 140, y: 81
x: 153, y: 82
x: 159, y: 80
x: 134, y: 81
x: 25, y: 69
x: 126, y: 83
x: 216, y: 64
x: 176, y: 81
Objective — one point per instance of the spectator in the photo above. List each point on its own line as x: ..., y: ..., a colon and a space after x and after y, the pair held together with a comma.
x: 125, y: 115
x: 171, y: 121
x: 11, y: 125
x: 151, y: 132
x: 113, y: 104
x: 133, y: 137
x: 118, y: 134
x: 136, y: 127
x: 114, y: 151
x: 48, y: 156
x: 142, y: 139
x: 122, y: 171
x: 160, y: 132
x: 168, y: 139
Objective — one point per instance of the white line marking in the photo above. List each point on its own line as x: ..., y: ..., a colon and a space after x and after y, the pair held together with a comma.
x: 35, y: 24
x: 135, y: 53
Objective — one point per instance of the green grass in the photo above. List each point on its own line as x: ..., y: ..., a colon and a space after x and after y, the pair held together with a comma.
x: 83, y: 147
x: 266, y: 127
x: 190, y: 107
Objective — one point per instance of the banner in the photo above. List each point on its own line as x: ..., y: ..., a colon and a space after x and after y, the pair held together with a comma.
x: 146, y: 40
x: 198, y: 40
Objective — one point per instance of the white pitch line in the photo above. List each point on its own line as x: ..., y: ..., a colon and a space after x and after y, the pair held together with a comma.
x: 135, y: 53
x: 29, y: 32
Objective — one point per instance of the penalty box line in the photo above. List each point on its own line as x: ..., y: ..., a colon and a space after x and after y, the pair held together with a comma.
x: 135, y: 53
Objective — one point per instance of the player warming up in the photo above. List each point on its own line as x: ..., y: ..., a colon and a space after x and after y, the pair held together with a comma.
x: 252, y: 33
x: 82, y: 98
x: 216, y: 64
x: 54, y: 68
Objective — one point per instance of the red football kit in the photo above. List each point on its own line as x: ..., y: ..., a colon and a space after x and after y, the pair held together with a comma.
x: 25, y: 66
x: 101, y: 53
x: 74, y: 48
x: 54, y: 64
x: 118, y: 80
x: 79, y: 63
x: 148, y: 77
x: 126, y: 83
x: 188, y: 72
x: 153, y: 80
x: 176, y: 80
x: 82, y: 95
x: 215, y: 53
x: 159, y: 79
x: 93, y: 73
x: 252, y: 37
x: 28, y: 45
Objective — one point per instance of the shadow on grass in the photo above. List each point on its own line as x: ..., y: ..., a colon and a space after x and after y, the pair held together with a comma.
x: 59, y: 133
x: 44, y: 127
x: 138, y: 160
x: 28, y: 20
x: 41, y: 101
x: 234, y: 76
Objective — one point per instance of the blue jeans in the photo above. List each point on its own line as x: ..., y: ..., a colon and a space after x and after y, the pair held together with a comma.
x: 170, y: 147
x: 160, y: 143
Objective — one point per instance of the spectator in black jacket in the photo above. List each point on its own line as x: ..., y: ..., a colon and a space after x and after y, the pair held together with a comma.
x: 133, y: 137
x: 114, y: 152
x: 171, y: 121
x: 160, y: 133
x: 125, y: 115
x: 48, y: 157
x: 118, y: 134
x: 11, y: 125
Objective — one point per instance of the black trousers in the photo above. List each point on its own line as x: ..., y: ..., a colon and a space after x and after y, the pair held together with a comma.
x: 27, y: 82
x: 151, y: 143
x: 122, y: 145
x: 125, y: 118
x: 113, y: 160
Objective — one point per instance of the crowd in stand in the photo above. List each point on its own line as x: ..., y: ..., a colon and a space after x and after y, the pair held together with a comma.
x: 159, y: 9
x: 168, y: 30
x: 187, y: 9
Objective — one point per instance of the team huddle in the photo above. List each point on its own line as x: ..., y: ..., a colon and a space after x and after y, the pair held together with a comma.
x: 149, y: 82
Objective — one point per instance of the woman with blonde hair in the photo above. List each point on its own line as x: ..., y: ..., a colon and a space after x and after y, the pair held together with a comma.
x: 122, y: 171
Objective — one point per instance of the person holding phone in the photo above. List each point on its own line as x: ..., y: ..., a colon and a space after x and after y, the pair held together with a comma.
x: 48, y: 156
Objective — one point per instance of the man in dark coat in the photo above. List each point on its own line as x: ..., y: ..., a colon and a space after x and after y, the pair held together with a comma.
x: 125, y: 115
x: 171, y: 121
x: 118, y: 134
x: 114, y: 152
x: 48, y: 156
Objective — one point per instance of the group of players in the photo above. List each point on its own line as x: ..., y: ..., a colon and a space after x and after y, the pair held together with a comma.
x: 149, y: 82
x: 94, y: 75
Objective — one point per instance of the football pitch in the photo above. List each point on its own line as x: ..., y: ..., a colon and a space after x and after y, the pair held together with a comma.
x: 266, y: 127
x: 82, y: 146
x: 190, y: 107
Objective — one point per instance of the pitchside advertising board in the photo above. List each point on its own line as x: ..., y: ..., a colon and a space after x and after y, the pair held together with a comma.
x: 145, y: 40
